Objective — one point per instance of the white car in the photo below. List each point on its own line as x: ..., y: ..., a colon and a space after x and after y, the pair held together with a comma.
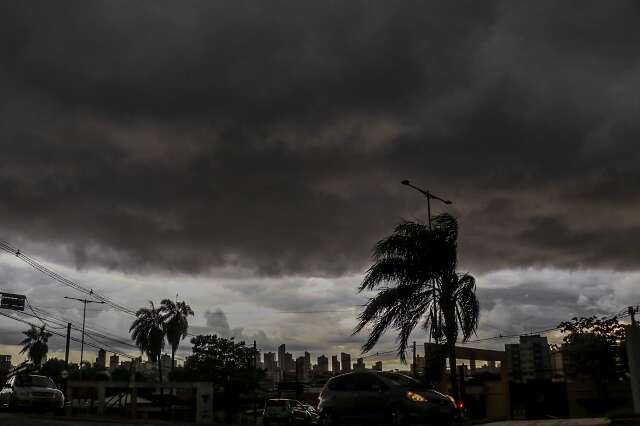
x: 31, y: 391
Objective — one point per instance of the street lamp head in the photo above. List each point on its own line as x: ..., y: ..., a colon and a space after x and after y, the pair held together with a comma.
x: 447, y: 202
x: 405, y: 182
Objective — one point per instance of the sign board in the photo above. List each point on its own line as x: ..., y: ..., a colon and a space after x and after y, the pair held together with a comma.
x: 204, y: 403
x: 12, y: 301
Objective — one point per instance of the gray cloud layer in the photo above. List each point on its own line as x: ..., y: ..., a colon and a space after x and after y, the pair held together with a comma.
x: 272, y: 135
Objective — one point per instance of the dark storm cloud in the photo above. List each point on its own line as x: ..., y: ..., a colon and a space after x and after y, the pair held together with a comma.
x: 272, y: 135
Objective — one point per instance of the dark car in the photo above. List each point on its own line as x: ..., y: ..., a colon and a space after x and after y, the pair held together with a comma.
x: 382, y: 397
x: 31, y: 391
x: 288, y: 411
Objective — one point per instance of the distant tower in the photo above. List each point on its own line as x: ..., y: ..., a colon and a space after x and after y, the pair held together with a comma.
x: 335, y: 364
x: 101, y: 361
x: 270, y: 361
x: 307, y: 361
x: 323, y: 364
x: 114, y: 362
x: 345, y: 360
x: 282, y: 349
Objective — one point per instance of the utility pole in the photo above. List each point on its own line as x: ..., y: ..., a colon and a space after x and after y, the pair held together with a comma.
x: 84, y: 317
x: 415, y: 367
x: 429, y: 196
x: 632, y: 314
x: 255, y: 381
x: 66, y: 350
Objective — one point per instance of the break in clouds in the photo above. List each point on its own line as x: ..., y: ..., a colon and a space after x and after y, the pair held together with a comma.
x: 265, y: 140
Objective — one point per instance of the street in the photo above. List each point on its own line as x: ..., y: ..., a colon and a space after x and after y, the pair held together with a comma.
x: 23, y: 419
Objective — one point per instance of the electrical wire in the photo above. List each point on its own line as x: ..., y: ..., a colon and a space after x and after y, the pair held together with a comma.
x: 63, y: 335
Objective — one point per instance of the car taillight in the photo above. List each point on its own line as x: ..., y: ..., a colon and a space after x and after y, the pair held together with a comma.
x: 460, y: 405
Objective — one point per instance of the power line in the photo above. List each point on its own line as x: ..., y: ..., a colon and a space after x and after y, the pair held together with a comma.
x: 63, y: 335
x: 91, y: 331
x: 5, y: 246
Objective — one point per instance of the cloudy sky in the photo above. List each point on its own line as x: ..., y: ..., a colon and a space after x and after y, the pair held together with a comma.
x: 247, y: 155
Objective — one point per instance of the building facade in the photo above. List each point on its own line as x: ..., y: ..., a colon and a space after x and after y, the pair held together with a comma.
x: 529, y: 360
x: 114, y: 362
x: 335, y: 364
x: 345, y: 361
x: 101, y: 361
x: 5, y: 362
x: 323, y: 364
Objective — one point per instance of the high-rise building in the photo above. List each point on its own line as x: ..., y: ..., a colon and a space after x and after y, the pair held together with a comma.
x: 418, y: 369
x: 377, y: 366
x: 359, y: 365
x: 270, y: 361
x: 101, y: 361
x: 345, y: 361
x: 257, y: 359
x: 323, y: 364
x: 307, y: 361
x: 282, y: 350
x: 529, y: 360
x: 288, y: 364
x: 301, y: 369
x: 5, y: 362
x: 114, y: 361
x: 335, y: 364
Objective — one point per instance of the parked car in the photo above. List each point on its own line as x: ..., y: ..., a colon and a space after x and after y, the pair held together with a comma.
x: 289, y: 411
x: 383, y: 397
x: 31, y: 391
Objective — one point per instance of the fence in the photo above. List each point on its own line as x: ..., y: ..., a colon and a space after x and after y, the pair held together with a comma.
x: 129, y: 397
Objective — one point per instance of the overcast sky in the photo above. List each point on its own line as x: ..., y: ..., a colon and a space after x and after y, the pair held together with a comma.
x: 247, y: 155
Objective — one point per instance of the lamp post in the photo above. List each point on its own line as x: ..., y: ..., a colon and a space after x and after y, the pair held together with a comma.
x: 84, y: 317
x: 428, y: 195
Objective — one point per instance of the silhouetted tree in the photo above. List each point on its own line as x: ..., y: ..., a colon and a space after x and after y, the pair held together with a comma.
x: 176, y: 323
x: 225, y: 362
x: 36, y: 344
x: 147, y: 331
x: 414, y: 271
x: 594, y: 348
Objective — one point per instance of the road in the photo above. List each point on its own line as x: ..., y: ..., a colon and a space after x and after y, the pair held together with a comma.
x: 23, y: 419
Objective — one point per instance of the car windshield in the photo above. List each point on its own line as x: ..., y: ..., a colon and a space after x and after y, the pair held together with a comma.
x: 402, y: 380
x: 276, y: 403
x: 34, y: 381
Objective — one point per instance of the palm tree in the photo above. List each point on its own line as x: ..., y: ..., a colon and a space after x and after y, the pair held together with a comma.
x: 35, y: 345
x: 148, y: 333
x: 414, y: 271
x: 176, y: 323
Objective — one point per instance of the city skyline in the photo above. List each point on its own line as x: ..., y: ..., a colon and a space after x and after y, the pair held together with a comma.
x: 248, y: 159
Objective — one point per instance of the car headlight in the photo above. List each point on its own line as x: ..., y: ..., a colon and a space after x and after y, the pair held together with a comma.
x: 416, y: 397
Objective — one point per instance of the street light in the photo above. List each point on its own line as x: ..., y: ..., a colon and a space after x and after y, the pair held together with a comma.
x: 429, y: 197
x: 84, y: 316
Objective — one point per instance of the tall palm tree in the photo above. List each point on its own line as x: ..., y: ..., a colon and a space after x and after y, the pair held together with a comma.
x: 35, y: 344
x: 176, y: 323
x: 414, y: 272
x: 147, y: 332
